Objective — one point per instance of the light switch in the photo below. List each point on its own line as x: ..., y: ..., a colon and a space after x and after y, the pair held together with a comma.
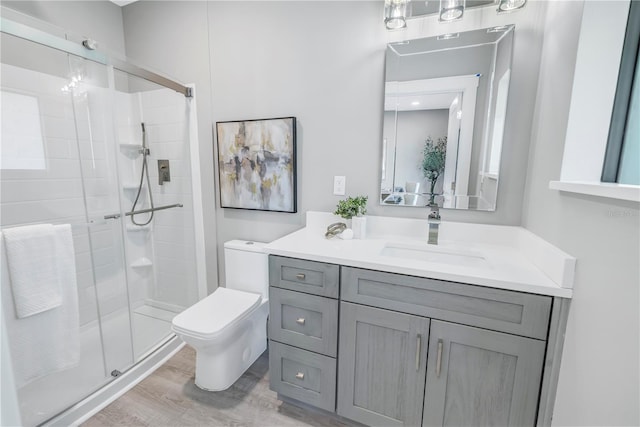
x: 339, y: 185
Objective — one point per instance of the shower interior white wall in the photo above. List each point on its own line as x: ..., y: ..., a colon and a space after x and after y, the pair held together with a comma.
x: 161, y: 255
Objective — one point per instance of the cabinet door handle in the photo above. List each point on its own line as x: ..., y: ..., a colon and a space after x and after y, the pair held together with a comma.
x: 439, y: 358
x: 300, y: 321
x: 418, y: 349
x: 300, y: 376
x: 300, y: 276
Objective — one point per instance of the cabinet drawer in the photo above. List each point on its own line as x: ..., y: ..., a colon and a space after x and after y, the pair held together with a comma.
x: 305, y: 276
x: 305, y: 321
x: 303, y: 375
x: 507, y: 311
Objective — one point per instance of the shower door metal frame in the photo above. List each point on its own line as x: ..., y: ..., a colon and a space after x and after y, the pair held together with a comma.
x: 43, y: 38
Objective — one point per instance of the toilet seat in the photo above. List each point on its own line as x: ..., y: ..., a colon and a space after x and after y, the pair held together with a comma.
x: 210, y: 316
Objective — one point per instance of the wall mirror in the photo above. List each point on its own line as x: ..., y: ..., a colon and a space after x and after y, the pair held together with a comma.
x: 444, y: 114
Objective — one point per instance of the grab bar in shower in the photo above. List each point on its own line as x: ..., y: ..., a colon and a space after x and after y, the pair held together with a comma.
x: 141, y: 211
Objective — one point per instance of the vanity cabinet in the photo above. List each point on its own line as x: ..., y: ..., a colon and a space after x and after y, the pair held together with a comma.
x: 481, y: 378
x: 410, y: 351
x: 382, y: 365
x: 303, y: 330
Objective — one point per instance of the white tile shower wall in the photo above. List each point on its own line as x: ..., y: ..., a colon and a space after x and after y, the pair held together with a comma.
x: 55, y: 194
x: 165, y: 114
x: 137, y: 240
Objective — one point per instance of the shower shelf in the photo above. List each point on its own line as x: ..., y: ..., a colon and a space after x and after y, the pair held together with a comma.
x: 142, y: 262
x: 132, y: 186
x: 133, y: 227
x: 131, y: 150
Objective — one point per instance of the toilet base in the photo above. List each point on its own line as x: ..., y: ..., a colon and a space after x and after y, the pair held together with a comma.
x: 220, y: 365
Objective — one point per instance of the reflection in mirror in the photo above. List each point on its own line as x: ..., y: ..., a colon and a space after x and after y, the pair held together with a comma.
x: 444, y: 115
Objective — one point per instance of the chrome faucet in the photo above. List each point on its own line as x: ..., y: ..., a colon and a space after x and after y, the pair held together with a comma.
x: 434, y: 223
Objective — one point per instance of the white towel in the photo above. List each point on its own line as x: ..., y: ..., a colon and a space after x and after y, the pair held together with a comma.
x: 35, y: 281
x: 49, y: 341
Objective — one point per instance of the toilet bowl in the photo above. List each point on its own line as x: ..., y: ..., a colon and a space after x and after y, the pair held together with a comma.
x: 228, y: 329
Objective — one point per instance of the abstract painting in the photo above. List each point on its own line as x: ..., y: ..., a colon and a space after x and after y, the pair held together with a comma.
x: 257, y: 164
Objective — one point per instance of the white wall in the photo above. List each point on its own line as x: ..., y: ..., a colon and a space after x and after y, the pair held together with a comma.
x: 599, y: 378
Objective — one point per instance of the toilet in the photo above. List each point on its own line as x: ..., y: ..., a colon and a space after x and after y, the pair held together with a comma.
x: 228, y: 329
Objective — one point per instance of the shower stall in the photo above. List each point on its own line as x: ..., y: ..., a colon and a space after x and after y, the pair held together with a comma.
x: 109, y: 149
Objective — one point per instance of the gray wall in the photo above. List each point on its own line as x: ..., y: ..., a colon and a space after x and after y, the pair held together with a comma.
x: 312, y: 60
x: 315, y: 61
x: 599, y: 379
x: 99, y: 20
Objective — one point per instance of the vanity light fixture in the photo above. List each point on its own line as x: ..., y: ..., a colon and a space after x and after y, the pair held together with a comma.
x: 506, y: 6
x: 451, y: 10
x: 395, y: 12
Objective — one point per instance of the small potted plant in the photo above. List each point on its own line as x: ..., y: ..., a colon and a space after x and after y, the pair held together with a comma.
x: 433, y: 160
x: 354, y: 208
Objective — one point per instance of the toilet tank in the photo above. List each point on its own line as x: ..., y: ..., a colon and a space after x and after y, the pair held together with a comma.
x: 246, y: 267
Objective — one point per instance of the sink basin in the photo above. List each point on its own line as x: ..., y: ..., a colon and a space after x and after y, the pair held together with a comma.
x: 435, y: 254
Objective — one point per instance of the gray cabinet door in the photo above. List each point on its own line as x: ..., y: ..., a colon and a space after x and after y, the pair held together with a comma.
x: 477, y: 377
x: 381, y: 366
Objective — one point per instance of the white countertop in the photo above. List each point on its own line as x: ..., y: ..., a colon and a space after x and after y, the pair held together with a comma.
x: 509, y: 258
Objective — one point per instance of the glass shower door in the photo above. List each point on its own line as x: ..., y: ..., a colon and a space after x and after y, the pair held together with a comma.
x: 56, y: 169
x: 152, y: 125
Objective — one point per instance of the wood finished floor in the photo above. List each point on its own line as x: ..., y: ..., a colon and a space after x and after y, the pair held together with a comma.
x: 169, y: 397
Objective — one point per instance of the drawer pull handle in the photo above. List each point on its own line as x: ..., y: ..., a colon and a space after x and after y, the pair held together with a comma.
x: 300, y: 376
x: 418, y: 349
x: 300, y: 276
x: 300, y: 321
x: 439, y: 359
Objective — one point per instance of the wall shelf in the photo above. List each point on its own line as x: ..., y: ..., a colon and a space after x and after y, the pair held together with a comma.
x: 132, y: 186
x: 141, y: 263
x: 138, y: 228
x: 132, y: 151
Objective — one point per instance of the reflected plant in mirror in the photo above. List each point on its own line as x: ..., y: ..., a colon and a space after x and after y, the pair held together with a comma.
x: 433, y: 160
x: 446, y: 104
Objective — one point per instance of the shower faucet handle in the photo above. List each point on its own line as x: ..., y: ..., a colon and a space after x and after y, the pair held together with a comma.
x: 164, y: 172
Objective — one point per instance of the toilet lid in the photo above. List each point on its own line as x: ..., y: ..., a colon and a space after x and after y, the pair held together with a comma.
x: 211, y: 315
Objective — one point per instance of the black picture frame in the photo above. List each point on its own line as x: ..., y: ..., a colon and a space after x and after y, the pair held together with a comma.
x: 257, y: 168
